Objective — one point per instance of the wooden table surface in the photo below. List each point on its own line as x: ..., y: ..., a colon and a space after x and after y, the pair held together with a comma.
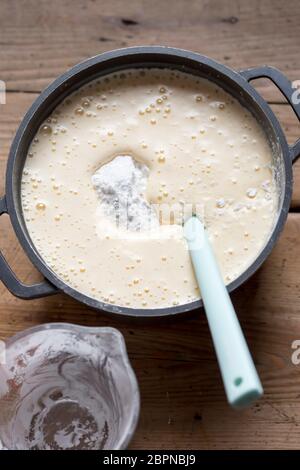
x: 183, y: 403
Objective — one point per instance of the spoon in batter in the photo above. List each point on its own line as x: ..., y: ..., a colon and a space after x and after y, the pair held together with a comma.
x: 240, y: 378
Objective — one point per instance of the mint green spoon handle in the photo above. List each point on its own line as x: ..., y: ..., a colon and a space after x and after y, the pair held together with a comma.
x: 241, y: 381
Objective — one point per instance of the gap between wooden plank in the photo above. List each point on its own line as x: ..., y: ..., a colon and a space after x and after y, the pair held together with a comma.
x: 22, y: 91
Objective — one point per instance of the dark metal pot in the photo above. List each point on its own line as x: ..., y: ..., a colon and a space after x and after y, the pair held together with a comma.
x: 236, y: 83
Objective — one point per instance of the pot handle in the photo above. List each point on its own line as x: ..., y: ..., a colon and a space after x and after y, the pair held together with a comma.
x: 286, y: 88
x: 13, y: 284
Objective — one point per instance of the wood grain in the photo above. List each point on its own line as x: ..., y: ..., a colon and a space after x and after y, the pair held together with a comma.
x: 183, y: 403
x: 40, y: 40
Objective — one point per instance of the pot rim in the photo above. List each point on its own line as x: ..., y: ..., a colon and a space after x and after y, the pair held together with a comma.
x: 140, y: 53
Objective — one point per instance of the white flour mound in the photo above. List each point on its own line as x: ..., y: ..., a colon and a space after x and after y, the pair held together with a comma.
x: 121, y: 186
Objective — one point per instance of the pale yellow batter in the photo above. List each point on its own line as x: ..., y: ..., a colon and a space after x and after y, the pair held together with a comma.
x: 201, y: 147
